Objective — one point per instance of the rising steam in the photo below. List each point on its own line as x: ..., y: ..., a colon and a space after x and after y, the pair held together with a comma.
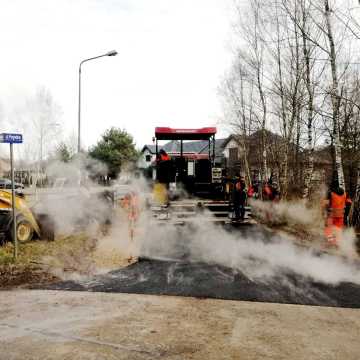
x: 254, y: 252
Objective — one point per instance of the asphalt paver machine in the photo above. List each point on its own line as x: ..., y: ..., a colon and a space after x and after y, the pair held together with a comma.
x: 191, y: 170
x: 188, y: 182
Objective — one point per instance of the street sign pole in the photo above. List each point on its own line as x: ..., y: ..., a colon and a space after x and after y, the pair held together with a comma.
x: 12, y: 139
x: 13, y: 201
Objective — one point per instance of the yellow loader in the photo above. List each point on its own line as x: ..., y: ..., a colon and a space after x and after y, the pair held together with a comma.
x: 28, y: 224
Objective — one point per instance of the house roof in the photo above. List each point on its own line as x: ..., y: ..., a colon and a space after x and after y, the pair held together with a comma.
x: 270, y: 136
x: 228, y: 139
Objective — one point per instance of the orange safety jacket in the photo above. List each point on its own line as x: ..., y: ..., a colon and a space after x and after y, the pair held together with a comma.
x: 251, y: 192
x: 133, y: 207
x: 337, y: 204
x: 131, y: 204
x: 267, y: 191
x: 164, y: 157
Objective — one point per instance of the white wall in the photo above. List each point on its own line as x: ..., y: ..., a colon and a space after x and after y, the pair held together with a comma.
x: 231, y: 144
x: 142, y: 163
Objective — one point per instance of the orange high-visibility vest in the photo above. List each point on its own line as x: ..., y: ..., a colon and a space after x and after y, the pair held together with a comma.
x: 164, y: 157
x: 251, y: 192
x: 267, y: 190
x: 337, y: 204
x: 133, y: 207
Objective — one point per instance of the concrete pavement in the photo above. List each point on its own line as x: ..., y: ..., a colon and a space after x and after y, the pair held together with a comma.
x: 81, y: 325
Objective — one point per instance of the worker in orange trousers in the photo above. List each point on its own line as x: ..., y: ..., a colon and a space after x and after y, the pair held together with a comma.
x: 335, y: 204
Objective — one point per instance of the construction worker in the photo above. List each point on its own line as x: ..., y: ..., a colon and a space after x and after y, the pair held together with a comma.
x: 335, y: 203
x: 227, y: 188
x: 133, y: 212
x: 164, y: 175
x: 267, y: 192
x: 348, y: 204
x: 163, y: 155
x: 251, y: 191
x: 131, y: 205
x: 239, y: 199
x: 275, y: 194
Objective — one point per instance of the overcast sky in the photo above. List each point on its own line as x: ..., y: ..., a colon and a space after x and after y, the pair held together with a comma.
x: 172, y: 56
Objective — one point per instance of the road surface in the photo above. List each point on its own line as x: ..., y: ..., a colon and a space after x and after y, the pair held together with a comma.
x: 57, y: 325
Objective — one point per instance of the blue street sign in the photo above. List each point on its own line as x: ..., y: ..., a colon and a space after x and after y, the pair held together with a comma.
x: 11, y: 138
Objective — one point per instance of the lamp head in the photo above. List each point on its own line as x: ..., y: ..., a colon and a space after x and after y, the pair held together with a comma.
x: 111, y: 53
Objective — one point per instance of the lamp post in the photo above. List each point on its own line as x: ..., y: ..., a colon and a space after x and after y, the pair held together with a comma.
x: 110, y: 53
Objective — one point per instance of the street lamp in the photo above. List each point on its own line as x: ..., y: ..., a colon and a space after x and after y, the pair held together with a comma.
x: 109, y: 53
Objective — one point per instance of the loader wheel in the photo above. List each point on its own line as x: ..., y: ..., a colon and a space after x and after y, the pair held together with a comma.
x: 24, y: 231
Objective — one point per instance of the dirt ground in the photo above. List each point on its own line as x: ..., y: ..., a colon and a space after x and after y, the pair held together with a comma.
x: 44, y: 262
x: 38, y: 261
x: 24, y: 275
x: 73, y: 325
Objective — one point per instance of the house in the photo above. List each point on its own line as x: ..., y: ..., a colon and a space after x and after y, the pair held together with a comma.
x: 324, y: 166
x: 297, y: 161
x: 147, y: 157
x: 234, y: 158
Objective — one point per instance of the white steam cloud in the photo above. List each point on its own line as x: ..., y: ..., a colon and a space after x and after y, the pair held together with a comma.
x: 253, y: 252
x: 76, y: 202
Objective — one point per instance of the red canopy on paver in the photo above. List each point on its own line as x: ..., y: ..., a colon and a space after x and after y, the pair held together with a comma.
x: 166, y: 133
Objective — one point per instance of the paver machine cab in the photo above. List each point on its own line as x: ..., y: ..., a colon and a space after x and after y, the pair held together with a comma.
x: 191, y: 171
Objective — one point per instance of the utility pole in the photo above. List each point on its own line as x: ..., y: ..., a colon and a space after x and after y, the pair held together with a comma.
x: 109, y: 53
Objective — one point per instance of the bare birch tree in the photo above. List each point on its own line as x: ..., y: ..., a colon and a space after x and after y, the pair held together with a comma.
x: 238, y: 90
x: 294, y: 53
x: 253, y: 58
x: 40, y: 119
x: 335, y: 93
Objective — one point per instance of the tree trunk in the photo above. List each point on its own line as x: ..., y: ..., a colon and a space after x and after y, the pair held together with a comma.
x: 310, y: 111
x: 354, y: 215
x: 297, y: 149
x: 244, y: 133
x: 263, y: 127
x: 335, y: 97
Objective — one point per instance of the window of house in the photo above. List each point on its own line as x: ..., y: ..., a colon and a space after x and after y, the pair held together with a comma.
x: 148, y: 158
x: 233, y: 154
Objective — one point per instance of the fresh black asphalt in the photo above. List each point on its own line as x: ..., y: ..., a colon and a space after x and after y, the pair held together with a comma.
x: 212, y: 281
x: 183, y: 277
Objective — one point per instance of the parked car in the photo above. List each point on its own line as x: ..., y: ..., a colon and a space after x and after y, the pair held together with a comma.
x: 6, y: 184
